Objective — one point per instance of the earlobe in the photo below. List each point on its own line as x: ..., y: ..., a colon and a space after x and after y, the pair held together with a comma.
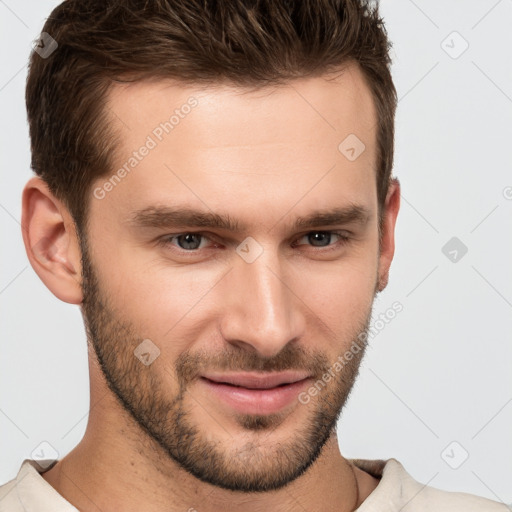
x: 51, y: 241
x: 387, y: 245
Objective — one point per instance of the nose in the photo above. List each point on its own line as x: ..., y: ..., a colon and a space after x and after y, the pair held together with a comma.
x: 261, y: 311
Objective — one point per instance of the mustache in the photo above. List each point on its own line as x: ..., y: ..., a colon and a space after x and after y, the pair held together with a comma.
x: 190, y: 366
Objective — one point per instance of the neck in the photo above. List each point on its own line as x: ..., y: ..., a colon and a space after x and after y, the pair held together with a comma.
x: 117, y: 467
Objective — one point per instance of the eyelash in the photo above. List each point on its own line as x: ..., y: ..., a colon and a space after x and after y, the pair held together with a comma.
x: 166, y: 240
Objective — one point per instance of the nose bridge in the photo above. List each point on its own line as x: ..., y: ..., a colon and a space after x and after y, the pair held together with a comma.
x: 262, y: 310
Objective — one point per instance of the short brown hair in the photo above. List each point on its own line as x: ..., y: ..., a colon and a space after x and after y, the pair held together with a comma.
x: 245, y: 42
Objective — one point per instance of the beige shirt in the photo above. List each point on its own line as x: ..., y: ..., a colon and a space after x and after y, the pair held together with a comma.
x: 397, y: 491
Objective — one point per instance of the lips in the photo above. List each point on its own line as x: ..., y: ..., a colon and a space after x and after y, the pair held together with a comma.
x: 257, y: 380
x: 255, y: 393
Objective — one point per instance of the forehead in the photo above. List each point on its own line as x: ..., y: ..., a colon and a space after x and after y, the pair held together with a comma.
x: 220, y: 146
x: 340, y: 101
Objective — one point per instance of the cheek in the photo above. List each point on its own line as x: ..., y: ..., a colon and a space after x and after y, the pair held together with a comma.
x: 159, y: 300
x: 340, y: 294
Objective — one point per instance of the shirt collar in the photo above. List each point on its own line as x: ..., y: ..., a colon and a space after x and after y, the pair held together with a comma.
x: 35, y: 493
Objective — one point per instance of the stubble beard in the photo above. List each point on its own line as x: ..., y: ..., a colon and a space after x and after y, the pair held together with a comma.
x: 258, y: 465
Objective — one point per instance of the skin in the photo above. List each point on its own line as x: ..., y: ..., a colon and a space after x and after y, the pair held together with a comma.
x: 156, y: 438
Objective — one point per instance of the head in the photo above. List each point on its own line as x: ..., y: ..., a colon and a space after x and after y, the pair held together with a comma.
x: 214, y: 190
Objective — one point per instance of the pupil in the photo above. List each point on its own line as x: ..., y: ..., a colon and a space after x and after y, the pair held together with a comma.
x: 322, y: 235
x: 189, y: 240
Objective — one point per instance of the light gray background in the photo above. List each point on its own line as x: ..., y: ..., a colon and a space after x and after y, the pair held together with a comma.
x: 441, y: 370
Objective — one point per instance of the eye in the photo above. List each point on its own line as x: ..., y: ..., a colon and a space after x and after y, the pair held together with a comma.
x: 323, y: 238
x: 188, y: 242
x: 192, y: 242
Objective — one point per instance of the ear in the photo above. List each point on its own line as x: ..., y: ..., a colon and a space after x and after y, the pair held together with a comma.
x: 51, y: 241
x: 387, y: 242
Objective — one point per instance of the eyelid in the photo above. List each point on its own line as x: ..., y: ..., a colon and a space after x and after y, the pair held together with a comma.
x: 165, y: 240
x: 344, y: 237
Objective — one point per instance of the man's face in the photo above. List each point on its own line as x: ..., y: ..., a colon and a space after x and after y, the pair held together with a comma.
x: 288, y: 301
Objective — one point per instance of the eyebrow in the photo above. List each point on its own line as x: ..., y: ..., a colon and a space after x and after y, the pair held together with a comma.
x: 167, y: 217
